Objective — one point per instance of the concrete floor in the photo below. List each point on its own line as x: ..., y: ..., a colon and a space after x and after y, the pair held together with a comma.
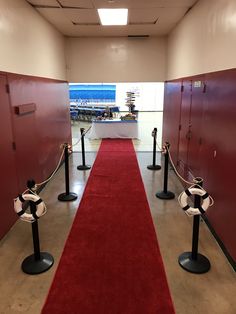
x: 210, y: 293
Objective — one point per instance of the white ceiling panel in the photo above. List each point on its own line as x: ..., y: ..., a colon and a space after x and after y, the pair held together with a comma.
x: 144, y: 15
x: 154, y: 14
x: 80, y: 17
x: 55, y: 16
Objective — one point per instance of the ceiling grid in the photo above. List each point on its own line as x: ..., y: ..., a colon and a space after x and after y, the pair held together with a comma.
x: 79, y: 18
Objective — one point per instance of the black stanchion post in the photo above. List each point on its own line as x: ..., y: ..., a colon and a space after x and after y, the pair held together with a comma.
x: 195, y: 262
x: 165, y: 194
x: 67, y: 196
x: 154, y: 166
x: 38, y: 262
x: 83, y: 166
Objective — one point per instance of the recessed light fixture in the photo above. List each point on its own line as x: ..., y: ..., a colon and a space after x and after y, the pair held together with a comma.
x: 113, y: 16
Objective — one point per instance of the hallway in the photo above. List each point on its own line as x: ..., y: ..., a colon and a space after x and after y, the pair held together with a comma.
x: 48, y: 43
x: 210, y: 293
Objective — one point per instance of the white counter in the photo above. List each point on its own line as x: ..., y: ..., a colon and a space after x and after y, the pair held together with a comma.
x: 115, y: 128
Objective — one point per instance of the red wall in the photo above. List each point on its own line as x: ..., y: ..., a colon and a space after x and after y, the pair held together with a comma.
x: 171, y: 117
x: 206, y: 142
x: 8, y: 185
x: 37, y: 133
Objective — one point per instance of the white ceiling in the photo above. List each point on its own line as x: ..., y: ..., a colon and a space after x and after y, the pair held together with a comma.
x: 79, y: 18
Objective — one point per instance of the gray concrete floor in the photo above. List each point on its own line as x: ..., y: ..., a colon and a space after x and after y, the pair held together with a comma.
x: 210, y: 293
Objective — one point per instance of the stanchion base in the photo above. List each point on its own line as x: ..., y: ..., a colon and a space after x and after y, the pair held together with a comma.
x: 85, y: 167
x: 165, y: 196
x: 63, y: 197
x: 34, y: 267
x: 199, y: 266
x: 152, y: 167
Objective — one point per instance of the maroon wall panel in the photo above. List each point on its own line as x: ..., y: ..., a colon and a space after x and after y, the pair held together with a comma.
x: 211, y: 148
x: 196, y: 144
x: 171, y: 116
x: 8, y: 188
x: 35, y: 121
x: 220, y: 131
x: 39, y: 133
x: 26, y: 139
x: 184, y: 134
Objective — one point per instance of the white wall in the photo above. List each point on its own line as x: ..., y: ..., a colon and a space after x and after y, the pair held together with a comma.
x: 204, y: 41
x: 29, y: 44
x: 149, y: 96
x: 116, y: 59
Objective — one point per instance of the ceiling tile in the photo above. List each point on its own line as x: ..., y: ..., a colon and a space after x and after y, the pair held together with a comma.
x: 82, y: 16
x: 55, y: 16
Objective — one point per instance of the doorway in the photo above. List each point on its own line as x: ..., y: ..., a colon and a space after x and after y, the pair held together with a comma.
x: 149, y: 97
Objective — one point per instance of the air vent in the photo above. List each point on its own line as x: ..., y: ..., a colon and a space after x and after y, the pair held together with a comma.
x: 85, y: 24
x: 138, y: 36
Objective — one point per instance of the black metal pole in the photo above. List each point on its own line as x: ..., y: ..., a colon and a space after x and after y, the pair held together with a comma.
x: 82, y: 146
x: 165, y: 194
x: 195, y: 236
x: 83, y: 166
x: 193, y: 261
x: 154, y: 166
x: 35, y: 234
x: 154, y: 147
x: 67, y: 180
x: 166, y: 171
x: 38, y: 262
x: 67, y: 196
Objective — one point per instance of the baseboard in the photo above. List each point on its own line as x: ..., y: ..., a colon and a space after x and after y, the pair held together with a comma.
x: 221, y: 244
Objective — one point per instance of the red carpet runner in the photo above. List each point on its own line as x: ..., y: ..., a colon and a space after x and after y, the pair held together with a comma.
x: 111, y: 262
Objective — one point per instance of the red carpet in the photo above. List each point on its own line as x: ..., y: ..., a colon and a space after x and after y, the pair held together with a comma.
x: 111, y: 262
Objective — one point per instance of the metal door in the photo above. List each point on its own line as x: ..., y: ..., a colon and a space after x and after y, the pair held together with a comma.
x: 196, y: 128
x: 8, y: 185
x: 185, y: 127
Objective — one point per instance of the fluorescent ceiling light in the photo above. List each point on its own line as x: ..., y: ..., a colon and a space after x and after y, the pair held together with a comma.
x: 113, y: 16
